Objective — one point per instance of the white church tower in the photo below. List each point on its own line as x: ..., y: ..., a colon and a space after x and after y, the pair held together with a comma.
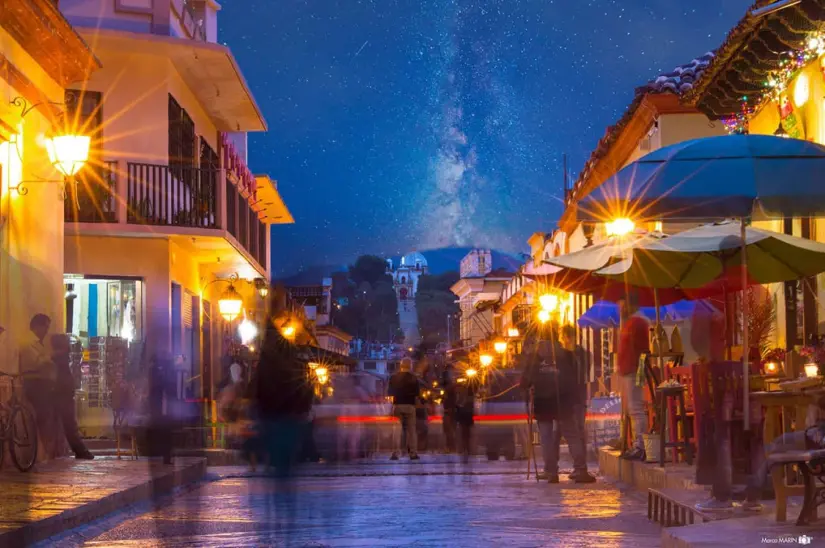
x: 405, y: 282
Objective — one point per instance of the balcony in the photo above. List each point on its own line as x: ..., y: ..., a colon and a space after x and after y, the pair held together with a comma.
x: 186, y: 202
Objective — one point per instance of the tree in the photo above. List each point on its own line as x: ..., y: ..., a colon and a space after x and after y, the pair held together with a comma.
x: 368, y: 268
x: 435, y: 303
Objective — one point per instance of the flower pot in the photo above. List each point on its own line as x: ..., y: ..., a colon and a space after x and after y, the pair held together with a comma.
x: 653, y: 443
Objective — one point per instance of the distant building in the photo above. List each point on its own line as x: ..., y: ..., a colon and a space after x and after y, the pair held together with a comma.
x: 405, y: 280
x: 478, y: 292
x: 316, y: 301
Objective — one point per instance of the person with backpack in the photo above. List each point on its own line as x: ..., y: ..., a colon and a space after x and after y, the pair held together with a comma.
x: 548, y: 371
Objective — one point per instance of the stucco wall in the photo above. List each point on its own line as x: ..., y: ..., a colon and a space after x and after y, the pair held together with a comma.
x: 31, y: 226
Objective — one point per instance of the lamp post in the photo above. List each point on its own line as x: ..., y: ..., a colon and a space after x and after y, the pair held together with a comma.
x: 620, y: 227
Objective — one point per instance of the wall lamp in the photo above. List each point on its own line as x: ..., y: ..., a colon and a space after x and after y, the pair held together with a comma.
x: 68, y: 152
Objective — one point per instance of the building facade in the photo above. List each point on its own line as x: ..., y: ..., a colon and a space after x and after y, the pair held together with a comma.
x: 479, y: 292
x: 40, y: 57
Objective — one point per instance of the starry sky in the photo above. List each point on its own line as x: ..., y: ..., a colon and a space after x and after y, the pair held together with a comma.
x: 419, y: 124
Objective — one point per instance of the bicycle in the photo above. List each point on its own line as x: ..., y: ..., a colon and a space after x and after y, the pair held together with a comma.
x: 18, y: 426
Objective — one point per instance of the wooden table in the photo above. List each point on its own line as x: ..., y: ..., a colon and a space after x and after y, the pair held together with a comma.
x: 778, y: 406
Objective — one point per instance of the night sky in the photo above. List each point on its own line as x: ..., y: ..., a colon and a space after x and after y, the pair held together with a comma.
x: 415, y: 124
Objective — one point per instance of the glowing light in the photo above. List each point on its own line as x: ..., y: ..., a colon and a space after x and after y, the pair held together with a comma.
x: 288, y: 332
x: 620, y: 227
x: 247, y: 331
x: 313, y: 365
x: 544, y: 316
x: 512, y: 332
x: 771, y: 367
x: 230, y: 304
x: 68, y: 153
x: 322, y: 374
x: 485, y: 360
x: 811, y: 370
x: 548, y: 302
x: 657, y: 226
x: 814, y: 42
x: 471, y: 373
x: 801, y: 90
x: 500, y: 347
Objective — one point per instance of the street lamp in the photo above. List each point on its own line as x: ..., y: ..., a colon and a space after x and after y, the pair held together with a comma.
x: 471, y: 373
x: 513, y: 332
x: 620, y: 227
x: 544, y: 316
x: 230, y: 304
x: 262, y: 287
x: 486, y: 360
x: 247, y: 331
x: 500, y: 347
x: 548, y: 302
x: 68, y: 153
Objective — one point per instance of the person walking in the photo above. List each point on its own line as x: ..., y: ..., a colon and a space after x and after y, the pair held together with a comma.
x: 404, y: 390
x: 634, y: 341
x: 64, y: 395
x: 547, y: 372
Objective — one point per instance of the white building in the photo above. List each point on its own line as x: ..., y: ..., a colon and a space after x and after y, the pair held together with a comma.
x: 405, y: 277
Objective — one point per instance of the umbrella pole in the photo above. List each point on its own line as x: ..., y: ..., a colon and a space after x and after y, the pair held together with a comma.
x: 656, y: 338
x: 745, y: 342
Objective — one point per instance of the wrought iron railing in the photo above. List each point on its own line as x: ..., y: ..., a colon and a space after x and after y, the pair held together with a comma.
x: 91, y: 197
x: 172, y: 195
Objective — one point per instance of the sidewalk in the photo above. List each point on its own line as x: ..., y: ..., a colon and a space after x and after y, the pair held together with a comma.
x: 65, y: 493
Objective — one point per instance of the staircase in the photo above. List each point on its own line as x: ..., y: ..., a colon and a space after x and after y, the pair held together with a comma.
x: 408, y: 320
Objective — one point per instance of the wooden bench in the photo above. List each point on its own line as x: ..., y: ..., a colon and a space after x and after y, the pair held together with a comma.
x: 812, y: 466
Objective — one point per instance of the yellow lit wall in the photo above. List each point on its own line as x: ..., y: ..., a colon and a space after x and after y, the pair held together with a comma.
x: 31, y: 227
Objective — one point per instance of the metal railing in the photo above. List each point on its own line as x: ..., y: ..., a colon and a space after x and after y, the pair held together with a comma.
x: 172, y: 195
x: 93, y: 196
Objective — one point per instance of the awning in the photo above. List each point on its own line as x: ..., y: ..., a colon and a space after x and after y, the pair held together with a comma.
x: 208, y: 69
x: 269, y: 204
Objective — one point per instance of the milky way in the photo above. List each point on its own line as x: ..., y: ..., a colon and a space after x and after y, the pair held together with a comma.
x: 400, y: 124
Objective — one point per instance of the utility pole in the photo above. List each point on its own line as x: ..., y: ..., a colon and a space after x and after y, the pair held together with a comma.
x: 449, y: 339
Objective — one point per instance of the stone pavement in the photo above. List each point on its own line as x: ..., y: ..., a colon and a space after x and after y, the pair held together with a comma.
x: 382, y: 506
x: 64, y: 493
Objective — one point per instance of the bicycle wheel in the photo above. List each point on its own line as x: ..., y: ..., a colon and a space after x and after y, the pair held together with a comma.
x: 23, y: 438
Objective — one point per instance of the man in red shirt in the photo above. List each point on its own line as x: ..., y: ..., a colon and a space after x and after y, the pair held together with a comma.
x: 634, y: 340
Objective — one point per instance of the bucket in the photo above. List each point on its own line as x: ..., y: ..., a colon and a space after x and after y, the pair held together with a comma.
x: 653, y: 444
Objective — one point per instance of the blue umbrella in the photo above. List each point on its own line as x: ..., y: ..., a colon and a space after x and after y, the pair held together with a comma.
x: 716, y: 177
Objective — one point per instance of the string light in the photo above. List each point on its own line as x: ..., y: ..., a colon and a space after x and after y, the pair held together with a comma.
x: 776, y: 83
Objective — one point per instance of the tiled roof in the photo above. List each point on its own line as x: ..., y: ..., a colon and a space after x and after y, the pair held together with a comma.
x: 678, y: 81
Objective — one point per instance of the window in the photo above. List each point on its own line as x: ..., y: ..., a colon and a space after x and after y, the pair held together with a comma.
x: 181, y: 136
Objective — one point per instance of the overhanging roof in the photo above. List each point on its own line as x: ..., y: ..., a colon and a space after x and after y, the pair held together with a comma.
x: 208, y: 69
x: 753, y: 49
x: 270, y: 204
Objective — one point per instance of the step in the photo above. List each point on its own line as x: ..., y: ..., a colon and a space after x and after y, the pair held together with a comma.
x: 676, y: 507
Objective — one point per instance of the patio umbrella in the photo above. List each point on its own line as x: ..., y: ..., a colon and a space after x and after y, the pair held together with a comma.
x: 713, y: 178
x: 700, y: 256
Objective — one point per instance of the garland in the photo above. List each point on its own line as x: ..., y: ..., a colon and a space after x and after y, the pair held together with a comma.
x: 776, y: 84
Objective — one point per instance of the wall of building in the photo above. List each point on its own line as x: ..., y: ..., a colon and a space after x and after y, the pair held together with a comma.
x: 31, y: 226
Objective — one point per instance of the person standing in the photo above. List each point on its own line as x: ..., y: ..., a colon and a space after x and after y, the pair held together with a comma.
x: 39, y: 378
x: 466, y: 388
x: 64, y: 396
x: 576, y: 383
x: 634, y: 341
x: 404, y: 390
x: 547, y: 372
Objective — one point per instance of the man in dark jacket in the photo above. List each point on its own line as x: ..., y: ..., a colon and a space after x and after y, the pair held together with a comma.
x: 549, y: 371
x: 578, y: 384
x: 404, y: 390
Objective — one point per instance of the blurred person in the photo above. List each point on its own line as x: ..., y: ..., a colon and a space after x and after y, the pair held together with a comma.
x: 404, y: 390
x: 466, y: 388
x: 161, y: 402
x: 448, y: 403
x: 64, y: 395
x: 283, y: 390
x: 575, y: 383
x: 40, y: 379
x: 634, y: 341
x: 548, y: 371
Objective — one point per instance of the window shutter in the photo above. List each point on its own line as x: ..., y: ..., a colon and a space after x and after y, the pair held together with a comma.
x: 186, y: 307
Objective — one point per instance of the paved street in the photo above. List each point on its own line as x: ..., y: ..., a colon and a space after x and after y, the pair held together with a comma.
x: 380, y: 506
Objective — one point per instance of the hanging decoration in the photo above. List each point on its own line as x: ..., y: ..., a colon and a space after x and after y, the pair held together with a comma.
x: 776, y: 89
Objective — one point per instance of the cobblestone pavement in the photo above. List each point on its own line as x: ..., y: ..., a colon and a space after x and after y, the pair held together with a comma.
x: 61, y: 488
x: 381, y: 510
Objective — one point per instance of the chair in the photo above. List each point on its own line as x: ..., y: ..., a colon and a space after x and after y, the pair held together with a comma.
x: 684, y: 417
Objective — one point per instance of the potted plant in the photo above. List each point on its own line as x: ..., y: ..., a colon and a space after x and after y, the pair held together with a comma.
x: 653, y: 439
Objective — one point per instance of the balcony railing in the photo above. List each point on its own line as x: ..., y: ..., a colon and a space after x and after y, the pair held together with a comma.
x: 172, y: 195
x: 92, y: 198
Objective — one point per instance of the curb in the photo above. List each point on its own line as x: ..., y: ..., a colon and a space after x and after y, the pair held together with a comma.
x: 54, y: 525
